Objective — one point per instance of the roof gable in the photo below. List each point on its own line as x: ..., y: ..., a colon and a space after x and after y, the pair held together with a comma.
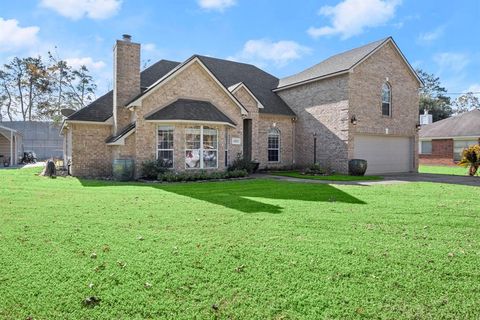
x: 101, y: 109
x: 339, y: 64
x: 259, y: 82
x: 167, y: 77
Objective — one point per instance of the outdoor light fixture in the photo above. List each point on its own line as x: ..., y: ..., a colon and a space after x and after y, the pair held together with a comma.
x: 353, y: 120
x: 418, y: 126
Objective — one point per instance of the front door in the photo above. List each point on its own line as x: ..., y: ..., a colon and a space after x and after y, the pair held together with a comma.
x: 247, y: 139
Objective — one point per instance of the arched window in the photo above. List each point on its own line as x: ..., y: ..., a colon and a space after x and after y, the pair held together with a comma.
x: 386, y: 99
x: 273, y: 145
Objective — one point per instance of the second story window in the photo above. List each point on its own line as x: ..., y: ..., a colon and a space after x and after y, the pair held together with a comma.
x: 386, y: 100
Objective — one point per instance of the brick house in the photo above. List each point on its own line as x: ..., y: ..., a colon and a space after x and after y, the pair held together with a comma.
x: 204, y: 112
x: 442, y: 142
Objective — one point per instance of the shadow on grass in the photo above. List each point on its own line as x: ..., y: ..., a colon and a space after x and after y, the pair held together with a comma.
x: 245, y: 195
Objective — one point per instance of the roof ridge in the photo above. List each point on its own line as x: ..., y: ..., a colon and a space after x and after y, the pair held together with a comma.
x: 236, y: 62
x: 159, y: 61
x: 348, y: 65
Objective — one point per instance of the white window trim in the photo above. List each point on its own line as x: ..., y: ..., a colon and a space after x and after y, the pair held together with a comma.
x: 278, y: 133
x: 225, y: 153
x: 389, y: 102
x: 456, y: 153
x: 420, y: 146
x: 201, y: 150
x: 173, y: 150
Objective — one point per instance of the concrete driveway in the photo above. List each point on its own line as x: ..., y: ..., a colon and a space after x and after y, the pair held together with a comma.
x: 389, y: 179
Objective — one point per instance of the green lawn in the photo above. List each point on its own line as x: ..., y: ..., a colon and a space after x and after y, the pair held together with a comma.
x: 453, y: 170
x: 332, y: 177
x: 250, y: 249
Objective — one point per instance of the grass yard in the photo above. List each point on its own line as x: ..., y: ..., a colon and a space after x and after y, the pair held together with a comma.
x: 332, y: 177
x: 453, y: 170
x: 251, y: 249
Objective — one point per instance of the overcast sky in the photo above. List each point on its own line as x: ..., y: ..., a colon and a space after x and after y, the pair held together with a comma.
x: 283, y: 36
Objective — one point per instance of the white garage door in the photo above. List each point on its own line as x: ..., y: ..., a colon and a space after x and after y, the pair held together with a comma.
x: 384, y: 154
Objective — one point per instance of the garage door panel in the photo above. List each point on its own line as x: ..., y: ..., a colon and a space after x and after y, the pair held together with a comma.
x: 384, y: 154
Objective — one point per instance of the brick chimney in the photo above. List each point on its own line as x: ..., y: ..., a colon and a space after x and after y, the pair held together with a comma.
x: 126, y: 79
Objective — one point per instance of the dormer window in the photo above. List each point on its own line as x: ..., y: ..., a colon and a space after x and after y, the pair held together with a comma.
x: 386, y: 100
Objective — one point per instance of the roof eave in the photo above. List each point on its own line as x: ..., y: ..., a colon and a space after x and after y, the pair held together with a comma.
x: 296, y: 84
x: 233, y: 125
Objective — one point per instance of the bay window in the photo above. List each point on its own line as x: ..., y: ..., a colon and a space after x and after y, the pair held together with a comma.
x: 201, y: 147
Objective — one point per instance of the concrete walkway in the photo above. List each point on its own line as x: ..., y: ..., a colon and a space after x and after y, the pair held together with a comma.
x: 388, y: 179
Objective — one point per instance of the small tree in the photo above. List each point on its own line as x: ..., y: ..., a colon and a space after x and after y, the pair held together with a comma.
x: 471, y: 159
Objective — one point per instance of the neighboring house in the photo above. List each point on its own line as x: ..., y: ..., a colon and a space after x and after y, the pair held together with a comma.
x: 204, y: 112
x: 10, y: 146
x: 442, y: 142
x: 41, y: 137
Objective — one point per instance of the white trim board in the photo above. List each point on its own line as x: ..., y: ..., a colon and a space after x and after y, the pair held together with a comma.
x: 233, y: 89
x: 451, y: 138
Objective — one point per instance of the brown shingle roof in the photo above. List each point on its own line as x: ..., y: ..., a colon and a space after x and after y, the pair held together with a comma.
x: 186, y: 109
x: 464, y: 125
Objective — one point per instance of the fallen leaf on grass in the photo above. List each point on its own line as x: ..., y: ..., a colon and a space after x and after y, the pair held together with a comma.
x: 240, y: 268
x: 91, y: 302
x: 100, y: 267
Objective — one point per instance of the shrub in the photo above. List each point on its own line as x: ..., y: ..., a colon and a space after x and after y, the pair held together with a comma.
x: 237, y: 174
x: 241, y: 163
x: 152, y: 168
x: 170, y: 176
x: 315, y: 169
x: 471, y: 159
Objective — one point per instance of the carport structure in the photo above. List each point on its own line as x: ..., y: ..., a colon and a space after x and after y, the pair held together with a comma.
x: 10, y: 146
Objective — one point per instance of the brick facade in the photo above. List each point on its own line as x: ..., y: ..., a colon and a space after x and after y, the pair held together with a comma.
x: 192, y: 83
x: 442, y: 153
x: 91, y: 157
x: 325, y: 107
x: 365, y: 82
x: 323, y: 110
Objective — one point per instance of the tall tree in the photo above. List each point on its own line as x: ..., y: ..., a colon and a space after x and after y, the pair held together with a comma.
x: 433, y: 97
x: 466, y: 102
x: 6, y: 97
x: 34, y: 89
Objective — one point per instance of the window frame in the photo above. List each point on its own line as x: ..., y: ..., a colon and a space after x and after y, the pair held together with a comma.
x: 277, y: 133
x: 201, y: 149
x: 226, y: 148
x: 389, y: 87
x: 467, y: 143
x: 170, y: 128
x: 421, y: 149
